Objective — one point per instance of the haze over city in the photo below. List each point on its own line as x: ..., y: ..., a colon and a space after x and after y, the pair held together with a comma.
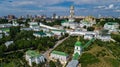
x: 60, y: 7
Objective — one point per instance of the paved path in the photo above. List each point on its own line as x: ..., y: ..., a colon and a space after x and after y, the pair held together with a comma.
x: 46, y: 54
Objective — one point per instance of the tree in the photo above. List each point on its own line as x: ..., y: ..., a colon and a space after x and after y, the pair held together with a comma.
x: 14, y: 31
x: 52, y: 64
x: 2, y: 49
x: 90, y: 29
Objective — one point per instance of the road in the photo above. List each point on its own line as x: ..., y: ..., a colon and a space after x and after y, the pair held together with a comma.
x: 46, y: 54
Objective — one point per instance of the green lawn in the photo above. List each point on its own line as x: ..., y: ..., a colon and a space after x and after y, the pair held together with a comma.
x: 113, y: 62
x: 88, y: 58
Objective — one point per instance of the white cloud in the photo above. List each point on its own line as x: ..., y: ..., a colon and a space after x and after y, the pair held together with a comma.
x: 117, y: 10
x: 100, y: 7
x: 111, y: 6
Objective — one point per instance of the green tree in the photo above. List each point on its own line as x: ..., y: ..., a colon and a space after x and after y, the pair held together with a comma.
x: 90, y: 29
x: 14, y: 31
x: 52, y: 64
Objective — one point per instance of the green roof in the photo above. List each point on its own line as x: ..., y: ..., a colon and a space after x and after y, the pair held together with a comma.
x: 111, y: 23
x: 35, y: 25
x: 59, y: 53
x: 5, y: 29
x: 40, y: 33
x: 59, y: 30
x: 32, y: 53
x: 76, y: 56
x: 78, y: 43
x: 64, y: 21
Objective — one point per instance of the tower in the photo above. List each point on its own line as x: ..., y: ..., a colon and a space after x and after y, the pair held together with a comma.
x: 71, y: 18
x: 71, y: 11
x: 78, y: 46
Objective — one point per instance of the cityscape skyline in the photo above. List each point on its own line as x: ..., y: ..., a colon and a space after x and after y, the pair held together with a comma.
x: 60, y: 7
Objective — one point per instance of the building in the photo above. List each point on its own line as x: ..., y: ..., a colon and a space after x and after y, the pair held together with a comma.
x: 81, y: 33
x: 73, y: 63
x: 6, y: 25
x: 71, y: 18
x: 104, y: 37
x: 39, y: 34
x: 87, y: 21
x: 5, y: 31
x: 88, y: 36
x: 77, y: 52
x: 61, y: 56
x: 1, y: 35
x: 26, y: 29
x: 70, y: 23
x: 58, y: 32
x: 14, y: 23
x: 111, y: 26
x: 78, y: 47
x: 34, y: 25
x: 10, y: 17
x: 8, y: 43
x: 32, y: 56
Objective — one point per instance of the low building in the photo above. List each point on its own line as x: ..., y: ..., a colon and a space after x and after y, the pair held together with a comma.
x: 34, y: 25
x: 26, y: 29
x: 111, y: 26
x: 58, y: 32
x: 82, y: 33
x: 84, y: 23
x: 39, y: 34
x: 32, y: 56
x: 5, y: 25
x: 5, y: 31
x: 72, y: 25
x: 61, y: 56
x: 87, y: 21
x: 73, y: 63
x: 8, y: 43
x: 88, y: 36
x: 104, y: 37
x: 1, y: 35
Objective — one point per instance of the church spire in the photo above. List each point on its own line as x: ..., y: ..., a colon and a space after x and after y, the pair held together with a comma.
x: 78, y: 38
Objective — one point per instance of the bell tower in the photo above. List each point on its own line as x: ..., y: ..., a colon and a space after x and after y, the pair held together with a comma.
x: 71, y: 17
x: 78, y: 46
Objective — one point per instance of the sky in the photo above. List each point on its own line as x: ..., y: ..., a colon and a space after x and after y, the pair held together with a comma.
x: 60, y: 7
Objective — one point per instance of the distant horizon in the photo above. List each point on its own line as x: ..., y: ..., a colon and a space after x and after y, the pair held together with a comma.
x: 60, y: 7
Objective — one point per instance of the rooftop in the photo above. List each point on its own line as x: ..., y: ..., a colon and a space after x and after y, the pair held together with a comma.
x: 112, y: 23
x: 73, y: 63
x: 64, y: 21
x: 40, y: 33
x: 78, y: 43
x: 32, y: 53
x: 60, y: 53
x: 58, y: 30
x: 76, y: 56
x: 5, y: 29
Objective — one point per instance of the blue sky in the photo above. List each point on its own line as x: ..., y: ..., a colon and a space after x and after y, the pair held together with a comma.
x: 60, y: 7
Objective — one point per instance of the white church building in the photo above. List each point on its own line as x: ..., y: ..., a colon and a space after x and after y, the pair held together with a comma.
x: 61, y: 56
x: 32, y: 56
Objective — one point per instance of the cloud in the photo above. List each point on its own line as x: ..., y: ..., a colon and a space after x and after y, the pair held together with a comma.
x: 111, y: 6
x: 117, y: 10
x: 50, y: 6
